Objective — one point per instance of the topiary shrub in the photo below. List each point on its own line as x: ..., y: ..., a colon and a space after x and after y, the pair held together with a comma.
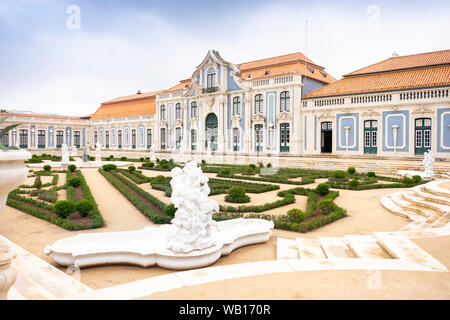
x: 371, y: 174
x: 165, y: 166
x: 253, y: 166
x: 37, y: 182
x: 203, y: 161
x: 353, y: 184
x: 47, y: 168
x: 351, y: 170
x: 131, y: 168
x: 308, y: 180
x: 84, y: 207
x: 159, y: 179
x: 225, y: 172
x: 91, y: 158
x: 157, y: 160
x: 63, y: 208
x: 123, y: 159
x: 72, y: 167
x: 71, y: 158
x: 148, y: 164
x: 326, y: 206
x: 261, y: 165
x: 237, y: 194
x: 109, y: 167
x: 249, y: 171
x: 339, y: 174
x: 408, y: 181
x: 171, y: 161
x: 417, y: 178
x: 296, y: 215
x: 269, y: 165
x: 74, y: 182
x: 141, y: 159
x: 170, y: 210
x: 322, y: 189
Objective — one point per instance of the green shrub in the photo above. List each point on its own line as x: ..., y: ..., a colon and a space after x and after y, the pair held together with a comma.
x: 326, y: 206
x: 141, y: 159
x: 48, y: 195
x: 249, y: 170
x: 71, y: 158
x: 47, y: 168
x: 148, y: 164
x: 131, y: 168
x: 408, y: 181
x: 225, y: 172
x: 339, y: 174
x: 91, y: 158
x: 308, y: 180
x: 353, y: 184
x: 74, y: 182
x: 37, y: 182
x: 72, y: 168
x: 162, y: 162
x: 63, y: 208
x: 253, y: 166
x: 236, y: 194
x: 165, y: 166
x: 417, y: 178
x: 371, y: 174
x: 109, y: 167
x: 351, y: 170
x: 322, y: 189
x: 269, y: 165
x: 170, y: 210
x: 296, y: 215
x: 122, y: 159
x: 171, y: 161
x: 203, y: 161
x: 261, y: 165
x: 84, y: 207
x: 157, y: 160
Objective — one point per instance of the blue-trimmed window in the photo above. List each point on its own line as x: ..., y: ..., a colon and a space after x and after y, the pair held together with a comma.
x: 236, y: 105
x: 285, y: 101
x: 258, y: 103
x: 178, y: 111
x: 194, y: 110
x: 163, y: 112
x: 211, y: 78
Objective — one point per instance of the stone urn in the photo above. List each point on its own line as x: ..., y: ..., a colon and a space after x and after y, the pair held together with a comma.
x: 12, y: 173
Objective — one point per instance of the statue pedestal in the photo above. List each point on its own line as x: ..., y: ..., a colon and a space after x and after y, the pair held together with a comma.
x: 7, y: 274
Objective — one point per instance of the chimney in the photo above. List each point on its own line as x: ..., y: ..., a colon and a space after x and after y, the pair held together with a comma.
x: 139, y: 92
x: 395, y: 54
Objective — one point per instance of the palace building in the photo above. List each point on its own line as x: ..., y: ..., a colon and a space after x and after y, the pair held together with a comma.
x: 283, y: 106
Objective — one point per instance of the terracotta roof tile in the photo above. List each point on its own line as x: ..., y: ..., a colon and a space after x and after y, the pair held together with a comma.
x: 126, y: 108
x: 416, y: 78
x: 134, y: 97
x: 287, y: 58
x: 52, y: 116
x: 406, y: 62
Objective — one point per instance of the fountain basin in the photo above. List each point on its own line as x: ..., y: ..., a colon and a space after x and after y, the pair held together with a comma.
x: 148, y: 247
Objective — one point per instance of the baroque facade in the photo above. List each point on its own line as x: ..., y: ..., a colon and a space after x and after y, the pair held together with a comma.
x: 281, y: 106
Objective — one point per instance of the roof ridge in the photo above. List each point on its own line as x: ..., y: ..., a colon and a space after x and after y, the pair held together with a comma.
x: 283, y: 55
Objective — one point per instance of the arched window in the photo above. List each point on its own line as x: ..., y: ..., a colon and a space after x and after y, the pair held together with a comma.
x: 163, y: 112
x: 194, y: 113
x: 236, y: 105
x: 258, y: 103
x: 211, y: 78
x: 284, y: 101
x: 178, y: 111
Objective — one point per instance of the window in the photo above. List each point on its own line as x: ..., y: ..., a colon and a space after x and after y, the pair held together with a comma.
x: 77, y: 139
x: 5, y: 139
x: 194, y: 113
x: 149, y: 138
x: 107, y: 139
x: 163, y: 112
x: 119, y: 138
x: 133, y: 138
x: 284, y: 101
x: 235, y: 139
x: 178, y: 111
x: 236, y: 105
x: 60, y: 138
x: 95, y: 138
x: 50, y: 137
x: 259, y: 137
x: 163, y: 138
x: 211, y: 78
x: 193, y: 140
x: 178, y: 137
x: 258, y: 103
x: 23, y: 138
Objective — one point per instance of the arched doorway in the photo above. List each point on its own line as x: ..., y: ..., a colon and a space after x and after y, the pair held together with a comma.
x: 211, y: 131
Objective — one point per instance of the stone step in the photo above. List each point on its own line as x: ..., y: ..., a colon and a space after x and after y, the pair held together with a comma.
x: 399, y: 200
x: 389, y: 205
x: 434, y: 188
x: 366, y: 247
x: 336, y: 248
x: 438, y: 208
x: 13, y: 294
x: 403, y: 248
x: 287, y: 249
x: 442, y: 221
x: 419, y: 191
x: 309, y: 249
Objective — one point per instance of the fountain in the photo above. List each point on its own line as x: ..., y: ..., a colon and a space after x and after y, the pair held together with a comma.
x: 192, y: 240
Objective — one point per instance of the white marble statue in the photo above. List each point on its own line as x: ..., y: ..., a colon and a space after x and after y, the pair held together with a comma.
x: 65, y: 154
x: 208, y: 148
x: 98, y: 154
x: 152, y: 153
x: 195, y: 229
x: 428, y: 162
x: 74, y: 151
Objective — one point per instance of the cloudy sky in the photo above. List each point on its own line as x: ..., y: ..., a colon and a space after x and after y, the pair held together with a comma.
x: 66, y: 57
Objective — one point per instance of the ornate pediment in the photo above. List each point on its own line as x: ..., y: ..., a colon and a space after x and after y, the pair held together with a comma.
x: 325, y: 115
x: 371, y: 113
x: 178, y: 123
x: 259, y: 117
x: 162, y: 123
x: 235, y: 120
x: 284, y: 115
x: 422, y: 110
